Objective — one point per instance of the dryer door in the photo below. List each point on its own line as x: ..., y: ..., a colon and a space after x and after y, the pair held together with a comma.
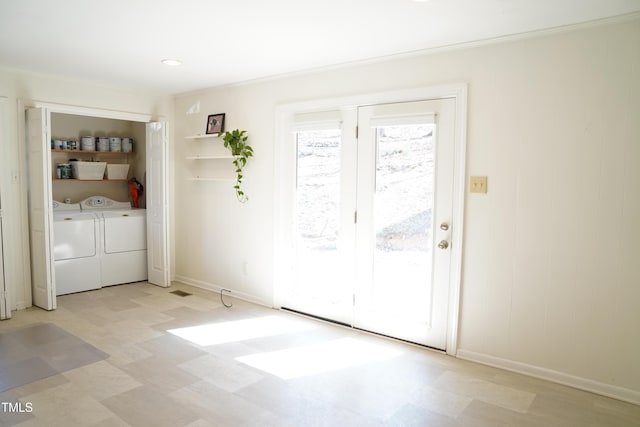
x: 125, y: 231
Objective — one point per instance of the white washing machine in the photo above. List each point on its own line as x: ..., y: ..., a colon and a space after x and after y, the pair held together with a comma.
x: 123, y: 240
x: 75, y: 249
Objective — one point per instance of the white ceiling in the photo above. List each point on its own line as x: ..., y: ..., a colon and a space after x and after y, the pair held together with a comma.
x: 121, y: 42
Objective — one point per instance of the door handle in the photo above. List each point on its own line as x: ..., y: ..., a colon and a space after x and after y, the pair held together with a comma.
x: 443, y: 244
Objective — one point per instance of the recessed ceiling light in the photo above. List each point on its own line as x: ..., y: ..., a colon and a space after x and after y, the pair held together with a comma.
x: 171, y: 62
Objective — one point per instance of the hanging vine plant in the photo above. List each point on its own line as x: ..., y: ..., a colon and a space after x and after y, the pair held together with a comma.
x: 236, y: 141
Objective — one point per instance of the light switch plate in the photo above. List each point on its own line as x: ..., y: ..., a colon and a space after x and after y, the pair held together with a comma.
x: 478, y: 184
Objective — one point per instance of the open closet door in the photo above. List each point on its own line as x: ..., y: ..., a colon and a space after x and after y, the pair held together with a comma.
x: 157, y: 204
x: 5, y: 311
x: 40, y: 217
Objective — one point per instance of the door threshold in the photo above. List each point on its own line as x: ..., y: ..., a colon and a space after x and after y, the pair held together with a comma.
x: 348, y: 326
x: 312, y: 316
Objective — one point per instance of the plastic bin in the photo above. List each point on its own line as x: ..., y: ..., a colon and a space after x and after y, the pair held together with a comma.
x: 88, y: 170
x: 117, y: 171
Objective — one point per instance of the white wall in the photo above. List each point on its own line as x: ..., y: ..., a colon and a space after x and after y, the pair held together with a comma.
x: 551, y: 278
x: 25, y: 88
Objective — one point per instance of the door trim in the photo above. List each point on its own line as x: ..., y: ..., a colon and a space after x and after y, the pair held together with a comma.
x: 284, y: 180
x: 5, y: 306
x: 91, y: 112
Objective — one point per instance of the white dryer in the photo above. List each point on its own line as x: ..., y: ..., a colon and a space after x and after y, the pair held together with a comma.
x: 75, y: 249
x: 123, y: 240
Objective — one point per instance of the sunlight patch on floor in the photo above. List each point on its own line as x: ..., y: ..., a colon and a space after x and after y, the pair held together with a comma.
x: 240, y: 330
x: 318, y: 358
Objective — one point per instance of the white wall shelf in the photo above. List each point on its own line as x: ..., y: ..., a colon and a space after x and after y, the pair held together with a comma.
x: 198, y: 178
x: 213, y: 135
x: 207, y: 157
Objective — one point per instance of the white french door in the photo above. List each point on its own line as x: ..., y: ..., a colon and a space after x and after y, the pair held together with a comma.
x: 405, y: 205
x: 323, y: 231
x: 373, y: 219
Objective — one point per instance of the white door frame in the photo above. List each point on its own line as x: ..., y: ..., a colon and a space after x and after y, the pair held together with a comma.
x: 284, y: 180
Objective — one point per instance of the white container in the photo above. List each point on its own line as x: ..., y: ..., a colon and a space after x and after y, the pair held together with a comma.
x: 102, y: 144
x: 127, y: 145
x: 88, y: 170
x: 87, y: 143
x: 116, y: 171
x: 115, y: 144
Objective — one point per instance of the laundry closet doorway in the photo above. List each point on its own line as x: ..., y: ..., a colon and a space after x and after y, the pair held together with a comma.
x: 39, y: 136
x: 374, y: 212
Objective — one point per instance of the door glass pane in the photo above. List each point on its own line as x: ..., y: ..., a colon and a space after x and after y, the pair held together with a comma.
x: 403, y: 208
x: 317, y: 213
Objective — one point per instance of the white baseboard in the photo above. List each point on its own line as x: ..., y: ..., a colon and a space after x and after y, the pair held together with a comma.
x: 620, y: 393
x: 215, y: 288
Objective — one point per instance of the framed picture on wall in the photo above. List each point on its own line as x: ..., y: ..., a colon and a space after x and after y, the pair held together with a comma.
x: 215, y: 123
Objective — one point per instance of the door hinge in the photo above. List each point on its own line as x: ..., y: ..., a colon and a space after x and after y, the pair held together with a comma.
x: 355, y: 217
x: 353, y: 300
x: 356, y: 132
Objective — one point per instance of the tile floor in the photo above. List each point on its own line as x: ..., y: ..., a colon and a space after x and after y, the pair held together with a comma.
x: 189, y: 361
x: 39, y: 351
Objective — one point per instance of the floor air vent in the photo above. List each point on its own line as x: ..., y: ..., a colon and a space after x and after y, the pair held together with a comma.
x: 180, y: 293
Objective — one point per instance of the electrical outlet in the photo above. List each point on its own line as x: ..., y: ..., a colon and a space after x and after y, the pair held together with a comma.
x: 478, y: 184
